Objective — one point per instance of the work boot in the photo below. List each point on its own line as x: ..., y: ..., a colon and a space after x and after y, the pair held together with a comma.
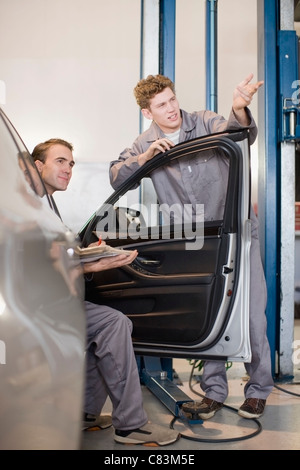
x: 252, y: 408
x: 205, y: 409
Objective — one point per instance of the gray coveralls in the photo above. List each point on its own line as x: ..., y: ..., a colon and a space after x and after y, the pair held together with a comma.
x: 111, y: 368
x: 182, y: 182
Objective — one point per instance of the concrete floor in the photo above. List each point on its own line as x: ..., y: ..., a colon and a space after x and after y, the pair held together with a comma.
x: 277, y: 429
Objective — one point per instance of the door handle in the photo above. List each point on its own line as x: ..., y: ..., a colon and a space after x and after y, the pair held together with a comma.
x: 148, y: 261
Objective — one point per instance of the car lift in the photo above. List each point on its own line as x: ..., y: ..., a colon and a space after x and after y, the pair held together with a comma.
x: 157, y: 374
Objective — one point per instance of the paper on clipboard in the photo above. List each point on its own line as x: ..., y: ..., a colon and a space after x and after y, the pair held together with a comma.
x: 92, y: 253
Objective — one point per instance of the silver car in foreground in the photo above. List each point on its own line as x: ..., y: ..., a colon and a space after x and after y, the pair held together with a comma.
x: 42, y: 321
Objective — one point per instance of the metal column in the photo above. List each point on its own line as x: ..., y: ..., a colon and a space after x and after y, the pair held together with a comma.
x: 288, y: 74
x: 167, y: 38
x: 276, y: 195
x: 268, y: 167
x: 211, y: 34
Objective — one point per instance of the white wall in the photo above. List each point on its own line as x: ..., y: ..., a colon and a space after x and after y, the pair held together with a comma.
x: 237, y: 57
x: 70, y: 66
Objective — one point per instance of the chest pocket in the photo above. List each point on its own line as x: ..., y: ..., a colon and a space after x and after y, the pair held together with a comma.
x: 206, y: 175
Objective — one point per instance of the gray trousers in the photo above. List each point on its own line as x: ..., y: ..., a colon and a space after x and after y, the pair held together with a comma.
x: 111, y: 368
x: 260, y: 384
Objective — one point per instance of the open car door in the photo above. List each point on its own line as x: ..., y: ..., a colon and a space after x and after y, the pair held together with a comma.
x: 187, y: 292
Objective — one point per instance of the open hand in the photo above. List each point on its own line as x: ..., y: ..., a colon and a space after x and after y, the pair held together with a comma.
x: 243, y: 93
x: 109, y: 262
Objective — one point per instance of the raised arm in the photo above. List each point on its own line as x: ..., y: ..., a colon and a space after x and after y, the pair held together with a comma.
x: 242, y: 97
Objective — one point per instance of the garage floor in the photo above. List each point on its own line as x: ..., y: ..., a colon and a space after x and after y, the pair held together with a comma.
x: 277, y: 429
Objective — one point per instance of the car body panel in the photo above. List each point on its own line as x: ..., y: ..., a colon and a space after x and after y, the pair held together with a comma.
x: 42, y: 321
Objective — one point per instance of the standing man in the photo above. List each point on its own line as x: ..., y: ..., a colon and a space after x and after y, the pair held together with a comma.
x: 170, y: 125
x: 111, y: 368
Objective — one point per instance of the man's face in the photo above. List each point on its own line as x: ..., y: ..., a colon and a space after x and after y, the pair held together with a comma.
x: 164, y: 110
x: 56, y: 172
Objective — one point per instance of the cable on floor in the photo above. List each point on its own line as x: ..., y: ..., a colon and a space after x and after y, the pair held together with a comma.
x: 232, y: 439
x: 214, y: 441
x: 288, y: 391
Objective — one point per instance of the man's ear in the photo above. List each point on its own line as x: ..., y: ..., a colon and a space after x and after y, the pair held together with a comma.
x: 146, y: 113
x: 39, y: 165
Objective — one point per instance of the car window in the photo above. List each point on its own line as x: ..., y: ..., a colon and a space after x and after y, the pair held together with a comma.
x: 147, y: 210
